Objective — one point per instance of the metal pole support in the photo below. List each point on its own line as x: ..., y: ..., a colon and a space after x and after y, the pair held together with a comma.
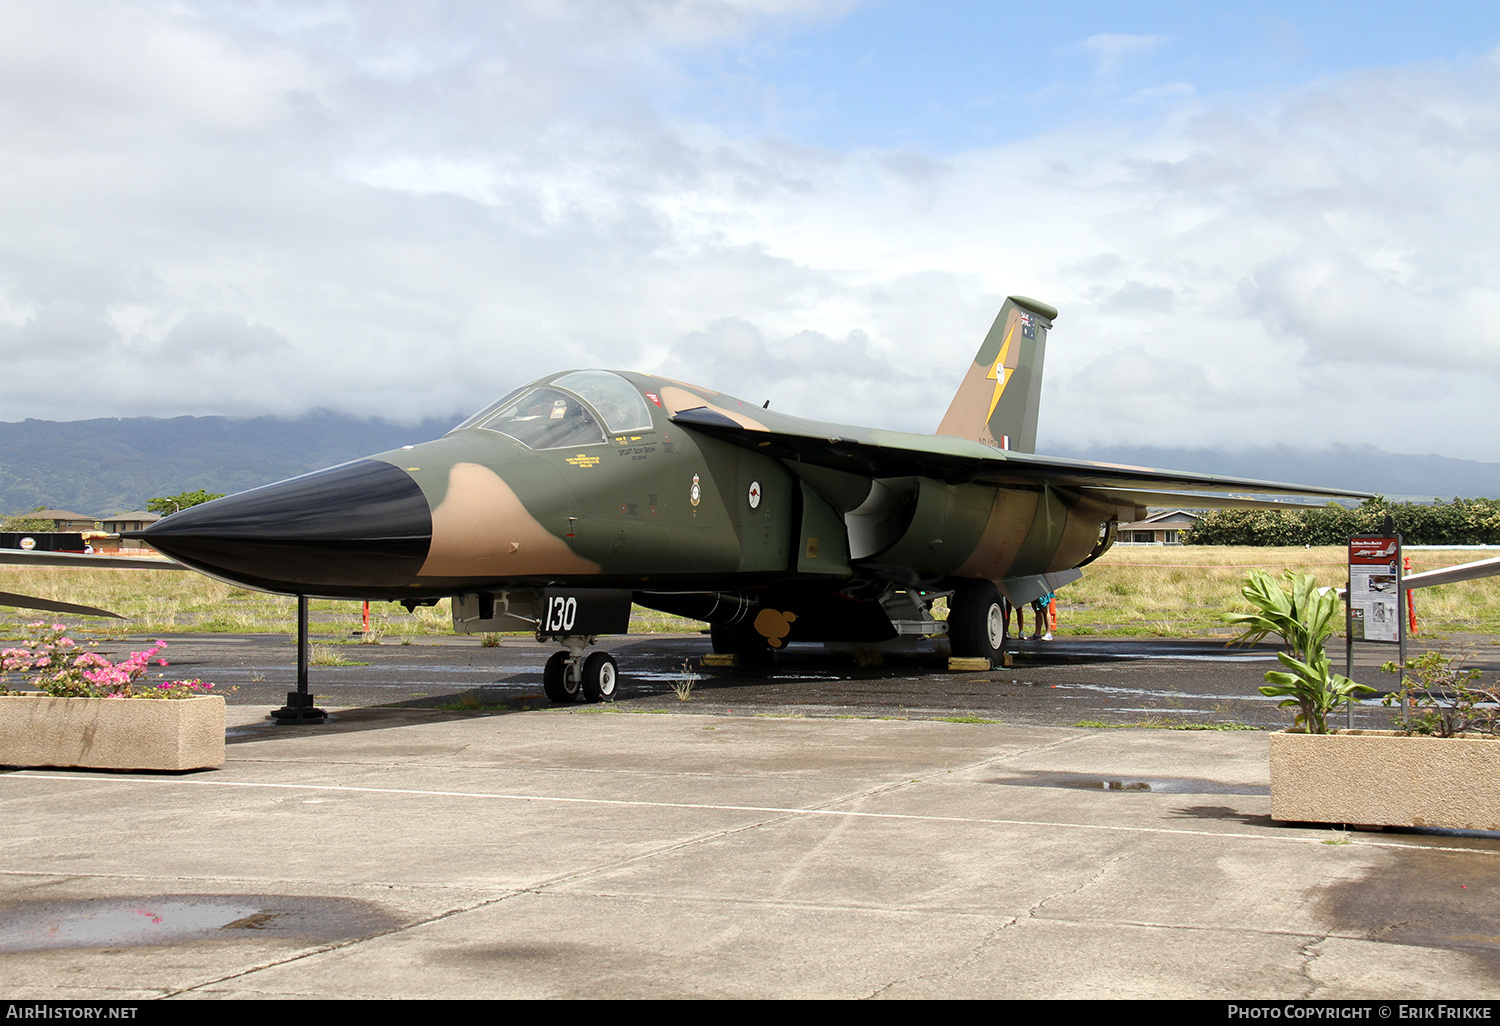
x: 299, y: 706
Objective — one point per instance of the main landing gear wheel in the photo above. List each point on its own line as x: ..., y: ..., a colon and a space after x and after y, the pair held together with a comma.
x: 555, y: 680
x: 600, y: 675
x: 976, y: 622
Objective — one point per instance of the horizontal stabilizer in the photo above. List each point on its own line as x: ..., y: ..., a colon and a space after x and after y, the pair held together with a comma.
x: 32, y: 557
x: 1021, y: 590
x: 47, y: 605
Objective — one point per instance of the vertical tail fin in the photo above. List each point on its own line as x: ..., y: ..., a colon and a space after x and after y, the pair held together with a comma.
x: 1000, y: 396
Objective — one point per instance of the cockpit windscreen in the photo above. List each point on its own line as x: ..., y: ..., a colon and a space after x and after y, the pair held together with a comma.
x: 547, y: 418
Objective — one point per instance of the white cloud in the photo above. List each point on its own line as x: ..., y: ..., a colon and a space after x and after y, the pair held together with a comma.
x: 1113, y: 49
x: 407, y: 210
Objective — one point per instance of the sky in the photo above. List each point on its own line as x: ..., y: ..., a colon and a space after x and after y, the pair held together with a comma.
x: 1262, y: 224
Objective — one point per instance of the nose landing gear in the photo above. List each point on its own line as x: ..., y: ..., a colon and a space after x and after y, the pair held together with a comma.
x: 568, y: 674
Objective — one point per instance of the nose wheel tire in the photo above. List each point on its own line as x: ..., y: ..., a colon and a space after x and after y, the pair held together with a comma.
x: 600, y: 676
x: 555, y: 680
x: 976, y: 622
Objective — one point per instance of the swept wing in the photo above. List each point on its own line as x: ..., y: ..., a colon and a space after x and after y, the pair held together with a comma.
x: 872, y: 452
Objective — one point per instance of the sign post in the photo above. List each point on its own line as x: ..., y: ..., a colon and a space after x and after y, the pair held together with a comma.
x: 1376, y: 604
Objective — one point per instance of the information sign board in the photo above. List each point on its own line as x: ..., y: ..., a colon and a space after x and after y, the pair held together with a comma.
x: 1375, y: 588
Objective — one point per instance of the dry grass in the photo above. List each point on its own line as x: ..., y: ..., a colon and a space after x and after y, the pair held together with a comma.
x: 1176, y: 591
x: 1180, y: 591
x: 329, y: 655
x: 161, y: 601
x: 649, y: 621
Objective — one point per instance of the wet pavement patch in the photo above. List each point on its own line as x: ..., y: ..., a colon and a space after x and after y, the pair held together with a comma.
x: 490, y: 954
x: 1429, y: 899
x: 166, y: 920
x: 1110, y: 782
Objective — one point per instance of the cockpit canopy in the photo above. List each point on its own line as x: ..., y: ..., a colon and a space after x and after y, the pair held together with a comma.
x: 574, y: 409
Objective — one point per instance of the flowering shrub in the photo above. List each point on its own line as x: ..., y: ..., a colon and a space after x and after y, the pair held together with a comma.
x: 56, y: 664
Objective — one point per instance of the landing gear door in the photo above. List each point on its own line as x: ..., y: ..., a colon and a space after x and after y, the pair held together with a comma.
x: 582, y: 612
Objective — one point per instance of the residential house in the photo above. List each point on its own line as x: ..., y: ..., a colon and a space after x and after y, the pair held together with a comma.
x: 1164, y: 528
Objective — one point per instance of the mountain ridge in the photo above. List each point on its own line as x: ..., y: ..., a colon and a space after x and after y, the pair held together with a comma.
x: 110, y: 465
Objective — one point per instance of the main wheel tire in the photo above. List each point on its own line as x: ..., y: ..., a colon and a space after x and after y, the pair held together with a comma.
x: 555, y: 679
x: 601, y: 674
x: 976, y: 622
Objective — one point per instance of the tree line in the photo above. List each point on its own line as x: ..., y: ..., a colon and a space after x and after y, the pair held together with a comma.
x: 165, y: 505
x: 1460, y: 522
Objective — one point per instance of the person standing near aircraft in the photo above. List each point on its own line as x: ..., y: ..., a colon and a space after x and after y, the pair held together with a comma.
x: 1041, y: 605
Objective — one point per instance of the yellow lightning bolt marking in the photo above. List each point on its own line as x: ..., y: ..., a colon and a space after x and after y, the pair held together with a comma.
x: 995, y: 374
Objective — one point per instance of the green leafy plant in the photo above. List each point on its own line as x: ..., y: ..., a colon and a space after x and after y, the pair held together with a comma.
x: 1438, y: 697
x: 1303, y: 616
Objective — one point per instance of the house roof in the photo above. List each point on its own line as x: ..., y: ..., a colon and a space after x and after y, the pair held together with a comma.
x: 1180, y: 516
x: 59, y: 514
x: 1165, y: 520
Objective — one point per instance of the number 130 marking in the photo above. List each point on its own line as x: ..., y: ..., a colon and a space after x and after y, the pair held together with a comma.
x: 562, y: 612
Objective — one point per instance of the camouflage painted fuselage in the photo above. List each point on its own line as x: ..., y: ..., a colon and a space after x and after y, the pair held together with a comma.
x: 663, y: 507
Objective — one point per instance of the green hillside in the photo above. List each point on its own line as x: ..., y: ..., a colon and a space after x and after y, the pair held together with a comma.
x: 113, y: 465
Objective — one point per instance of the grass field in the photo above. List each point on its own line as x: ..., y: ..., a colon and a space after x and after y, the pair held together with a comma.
x: 1180, y: 591
x: 1160, y: 591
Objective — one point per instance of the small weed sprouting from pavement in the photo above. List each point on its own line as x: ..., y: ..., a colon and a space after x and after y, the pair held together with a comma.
x: 326, y: 655
x: 684, y: 684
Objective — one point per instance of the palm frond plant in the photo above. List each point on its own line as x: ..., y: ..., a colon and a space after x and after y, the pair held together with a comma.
x: 1303, y: 616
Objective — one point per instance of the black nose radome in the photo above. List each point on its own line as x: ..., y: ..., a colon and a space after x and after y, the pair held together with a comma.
x: 358, y: 530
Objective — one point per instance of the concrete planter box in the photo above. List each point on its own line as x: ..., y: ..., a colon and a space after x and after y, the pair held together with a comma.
x: 1384, y: 778
x: 112, y: 733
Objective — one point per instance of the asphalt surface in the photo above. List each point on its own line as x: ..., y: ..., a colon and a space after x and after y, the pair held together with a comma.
x: 807, y: 829
x: 1058, y: 683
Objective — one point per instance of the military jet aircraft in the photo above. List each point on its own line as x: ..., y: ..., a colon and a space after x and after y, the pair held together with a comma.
x: 555, y: 508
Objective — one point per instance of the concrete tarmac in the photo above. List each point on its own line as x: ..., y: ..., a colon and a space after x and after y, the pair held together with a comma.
x: 672, y: 849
